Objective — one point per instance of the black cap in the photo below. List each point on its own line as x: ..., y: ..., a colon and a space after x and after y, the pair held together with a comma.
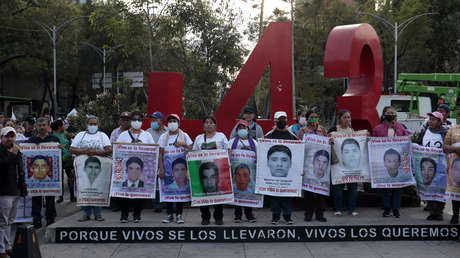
x: 445, y: 107
x: 249, y: 110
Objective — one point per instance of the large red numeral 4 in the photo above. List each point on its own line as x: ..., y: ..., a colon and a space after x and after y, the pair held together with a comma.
x: 353, y: 51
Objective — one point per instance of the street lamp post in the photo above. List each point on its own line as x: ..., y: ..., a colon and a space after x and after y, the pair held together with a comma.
x: 396, y: 32
x: 102, y: 52
x: 53, y: 33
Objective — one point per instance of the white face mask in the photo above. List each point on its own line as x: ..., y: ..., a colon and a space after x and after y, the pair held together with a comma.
x: 172, y: 127
x: 136, y: 124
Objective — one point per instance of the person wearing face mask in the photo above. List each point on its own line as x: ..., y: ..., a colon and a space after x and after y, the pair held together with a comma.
x: 91, y: 142
x: 37, y: 201
x: 157, y: 127
x: 301, y: 121
x: 243, y: 142
x: 254, y: 130
x: 344, y: 127
x: 211, y: 140
x: 124, y: 124
x: 173, y: 139
x: 314, y: 203
x: 389, y: 127
x: 278, y: 204
x: 134, y: 135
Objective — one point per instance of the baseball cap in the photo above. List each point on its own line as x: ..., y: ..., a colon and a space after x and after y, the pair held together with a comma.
x: 249, y: 110
x: 172, y: 115
x: 445, y: 107
x: 125, y: 115
x: 158, y: 115
x: 242, y: 122
x: 437, y: 114
x: 280, y: 114
x: 7, y: 130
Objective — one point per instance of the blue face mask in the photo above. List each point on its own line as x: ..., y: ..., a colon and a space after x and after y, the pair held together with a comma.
x: 242, y: 133
x: 154, y: 125
x: 92, y: 128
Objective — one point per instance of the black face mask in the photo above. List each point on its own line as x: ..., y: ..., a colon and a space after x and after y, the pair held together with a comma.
x: 389, y: 118
x: 281, y: 124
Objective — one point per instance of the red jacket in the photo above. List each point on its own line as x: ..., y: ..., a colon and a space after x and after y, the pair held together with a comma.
x: 381, y: 130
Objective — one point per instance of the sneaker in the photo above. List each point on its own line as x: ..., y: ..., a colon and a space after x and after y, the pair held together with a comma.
x: 124, y: 220
x: 84, y: 218
x: 430, y: 217
x: 386, y: 213
x: 354, y: 214
x: 275, y: 221
x: 168, y: 219
x: 454, y: 220
x: 396, y: 213
x: 251, y: 219
x: 205, y: 222
x: 99, y: 218
x: 179, y: 219
x: 338, y: 213
x: 61, y: 199
x: 38, y: 224
x: 289, y: 221
x: 219, y: 222
x: 137, y: 220
x: 237, y: 220
x: 321, y: 219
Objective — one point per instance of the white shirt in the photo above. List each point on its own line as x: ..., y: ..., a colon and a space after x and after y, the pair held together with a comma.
x: 433, y: 140
x: 172, y: 139
x: 96, y: 141
x: 219, y: 138
x: 242, y: 144
x: 143, y: 137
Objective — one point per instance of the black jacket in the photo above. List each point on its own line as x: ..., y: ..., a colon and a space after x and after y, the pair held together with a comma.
x: 11, y: 173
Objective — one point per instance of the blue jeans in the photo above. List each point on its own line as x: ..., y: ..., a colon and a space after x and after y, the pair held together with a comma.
x: 281, y: 203
x: 96, y: 210
x: 352, y: 196
x: 395, y: 201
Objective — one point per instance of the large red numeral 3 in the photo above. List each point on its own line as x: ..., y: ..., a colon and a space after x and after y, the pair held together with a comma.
x: 353, y: 51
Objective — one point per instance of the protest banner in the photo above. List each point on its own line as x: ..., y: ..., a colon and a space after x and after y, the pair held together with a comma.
x: 135, y: 170
x: 210, y: 177
x: 352, y: 164
x: 175, y: 187
x: 429, y: 166
x: 42, y: 168
x: 453, y: 176
x: 93, y: 175
x: 280, y: 167
x: 390, y: 162
x: 243, y: 163
x: 316, y: 165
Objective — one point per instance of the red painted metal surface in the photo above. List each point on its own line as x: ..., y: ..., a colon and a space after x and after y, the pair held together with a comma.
x: 273, y: 50
x: 353, y: 51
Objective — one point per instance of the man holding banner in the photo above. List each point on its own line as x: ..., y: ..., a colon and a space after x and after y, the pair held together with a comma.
x: 274, y: 163
x: 174, y: 183
x: 243, y: 160
x: 41, y: 168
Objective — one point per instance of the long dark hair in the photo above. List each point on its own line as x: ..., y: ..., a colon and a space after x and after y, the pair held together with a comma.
x: 383, y: 112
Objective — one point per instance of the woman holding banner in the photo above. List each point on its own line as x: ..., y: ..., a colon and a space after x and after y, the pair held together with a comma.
x: 178, y: 141
x: 209, y: 140
x: 344, y: 127
x: 452, y: 145
x: 91, y: 142
x: 389, y: 127
x: 314, y: 202
x: 242, y: 173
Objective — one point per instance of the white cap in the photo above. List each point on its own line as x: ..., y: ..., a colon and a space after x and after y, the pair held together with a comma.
x: 7, y: 129
x: 280, y: 114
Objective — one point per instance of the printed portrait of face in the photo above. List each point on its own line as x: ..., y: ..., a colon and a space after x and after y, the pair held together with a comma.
x: 351, y: 154
x: 134, y: 168
x: 320, y: 163
x: 179, y: 171
x: 428, y: 168
x: 392, y: 161
x: 455, y: 172
x: 40, y: 167
x: 279, y: 160
x: 92, y: 168
x: 209, y: 177
x: 242, y: 177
